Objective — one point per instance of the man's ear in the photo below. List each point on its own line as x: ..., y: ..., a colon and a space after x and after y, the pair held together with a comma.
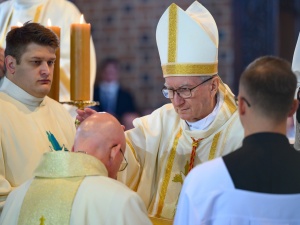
x: 10, y: 63
x: 114, y: 152
x: 241, y: 106
x: 215, y: 85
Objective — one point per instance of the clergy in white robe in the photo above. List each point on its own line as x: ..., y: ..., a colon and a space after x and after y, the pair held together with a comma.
x: 209, y: 197
x: 160, y: 147
x: 259, y: 183
x: 62, y: 13
x: 80, y: 187
x: 201, y: 123
x: 30, y: 122
x: 25, y: 125
x: 73, y: 188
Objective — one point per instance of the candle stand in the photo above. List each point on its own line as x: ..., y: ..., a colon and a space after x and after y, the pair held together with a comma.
x: 80, y: 104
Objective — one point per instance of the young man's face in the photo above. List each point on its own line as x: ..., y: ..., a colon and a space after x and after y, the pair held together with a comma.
x: 35, y: 72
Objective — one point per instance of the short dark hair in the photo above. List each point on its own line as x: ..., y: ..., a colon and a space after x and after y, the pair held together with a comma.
x: 107, y: 61
x: 19, y: 38
x: 102, y: 65
x: 270, y: 85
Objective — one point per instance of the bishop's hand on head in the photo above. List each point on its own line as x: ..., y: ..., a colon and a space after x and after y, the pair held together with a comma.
x: 83, y: 114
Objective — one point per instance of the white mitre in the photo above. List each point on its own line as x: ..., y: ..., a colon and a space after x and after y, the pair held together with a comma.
x: 296, y: 61
x: 188, y: 41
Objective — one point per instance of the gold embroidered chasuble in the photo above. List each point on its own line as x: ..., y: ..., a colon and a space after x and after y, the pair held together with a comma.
x: 57, y: 178
x: 159, y: 151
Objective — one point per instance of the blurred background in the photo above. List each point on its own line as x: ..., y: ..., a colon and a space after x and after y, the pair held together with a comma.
x: 125, y: 29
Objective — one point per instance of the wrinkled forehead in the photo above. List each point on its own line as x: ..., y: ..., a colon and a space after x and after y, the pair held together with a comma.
x: 182, y: 80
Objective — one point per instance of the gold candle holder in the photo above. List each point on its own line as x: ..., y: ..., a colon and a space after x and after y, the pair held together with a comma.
x: 81, y: 104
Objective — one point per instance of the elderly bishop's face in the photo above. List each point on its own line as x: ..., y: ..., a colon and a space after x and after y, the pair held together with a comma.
x: 201, y: 102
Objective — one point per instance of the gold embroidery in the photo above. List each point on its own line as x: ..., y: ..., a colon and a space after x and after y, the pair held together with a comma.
x: 172, y: 48
x: 5, y: 28
x: 213, y: 148
x: 35, y: 20
x: 190, y: 69
x: 226, y: 133
x: 135, y: 156
x: 180, y: 176
x: 160, y: 221
x: 57, y: 179
x: 131, y: 147
x: 58, y: 202
x: 37, y: 14
x: 162, y: 194
x: 230, y: 104
x: 42, y: 219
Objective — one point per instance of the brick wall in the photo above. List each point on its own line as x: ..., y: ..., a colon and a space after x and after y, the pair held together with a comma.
x: 126, y: 29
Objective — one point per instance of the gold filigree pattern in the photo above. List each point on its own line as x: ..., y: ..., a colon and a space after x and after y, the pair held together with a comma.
x: 42, y: 220
x: 230, y: 104
x: 179, y: 177
x: 200, y: 69
x: 37, y: 14
x: 57, y: 179
x: 163, y: 191
x: 172, y: 48
x: 213, y: 148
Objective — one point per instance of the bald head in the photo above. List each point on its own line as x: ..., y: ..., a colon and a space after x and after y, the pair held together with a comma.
x: 102, y: 136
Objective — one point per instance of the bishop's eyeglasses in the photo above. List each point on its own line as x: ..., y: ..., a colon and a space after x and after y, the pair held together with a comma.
x: 244, y: 99
x: 182, y: 92
x: 124, y: 164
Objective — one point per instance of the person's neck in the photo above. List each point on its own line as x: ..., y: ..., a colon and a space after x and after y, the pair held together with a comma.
x: 13, y: 90
x: 260, y: 126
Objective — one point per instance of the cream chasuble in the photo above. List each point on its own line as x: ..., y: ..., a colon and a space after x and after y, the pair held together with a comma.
x: 51, y: 194
x: 98, y: 199
x: 27, y: 127
x: 159, y: 151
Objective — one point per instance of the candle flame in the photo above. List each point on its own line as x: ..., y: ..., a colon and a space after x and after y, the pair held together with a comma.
x: 49, y: 22
x: 81, y: 19
x: 19, y: 24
